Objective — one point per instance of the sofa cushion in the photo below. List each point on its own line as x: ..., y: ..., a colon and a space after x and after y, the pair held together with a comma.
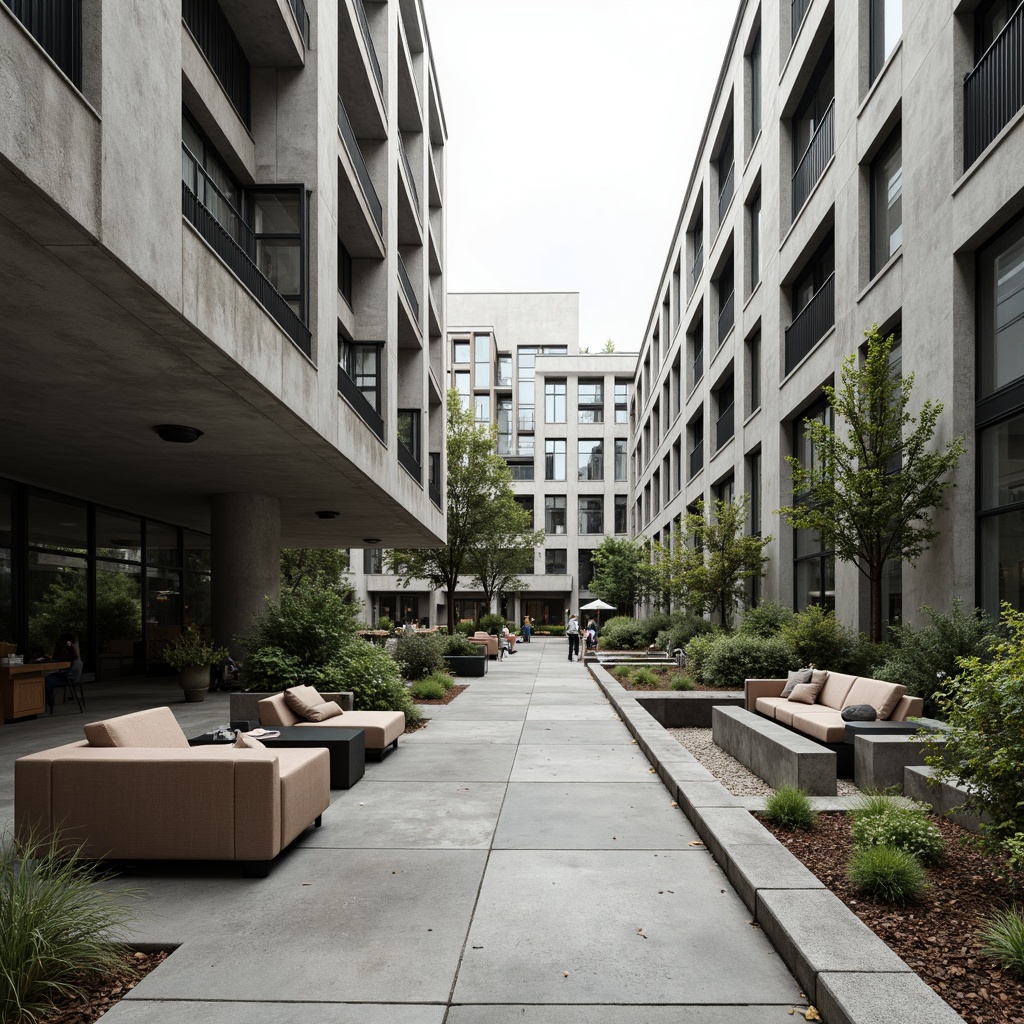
x: 322, y: 712
x: 244, y: 742
x: 837, y: 686
x: 788, y: 710
x: 825, y: 727
x: 302, y: 700
x: 882, y: 696
x: 154, y: 727
x: 806, y: 693
x: 796, y: 678
x: 380, y: 728
x: 769, y: 705
x: 273, y: 711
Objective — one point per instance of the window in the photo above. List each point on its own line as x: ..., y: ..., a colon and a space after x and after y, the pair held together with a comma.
x: 344, y: 273
x: 886, y: 29
x: 591, y: 514
x: 726, y: 305
x: 554, y: 459
x: 1001, y: 506
x: 754, y: 508
x: 373, y: 561
x: 481, y: 360
x: 555, y: 562
x: 521, y: 470
x: 990, y: 18
x: 361, y: 364
x: 621, y: 457
x: 461, y: 352
x: 1000, y: 277
x: 622, y: 401
x: 813, y: 304
x: 813, y: 131
x: 409, y: 431
x: 754, y: 372
x: 725, y: 174
x: 525, y: 502
x: 554, y: 401
x: 554, y: 513
x: 697, y: 247
x: 525, y: 444
x: 504, y: 413
x: 482, y: 409
x: 725, y: 424
x: 527, y: 361
x: 276, y: 217
x: 695, y: 343
x: 590, y: 401
x: 462, y: 386
x: 725, y: 490
x: 585, y: 562
x: 620, y: 513
x: 755, y: 241
x: 754, y: 70
x: 590, y: 465
x: 887, y: 202
x: 695, y: 430
x: 504, y: 376
x: 814, y: 570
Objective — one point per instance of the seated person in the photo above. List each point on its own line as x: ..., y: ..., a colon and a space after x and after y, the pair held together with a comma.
x: 591, y: 637
x: 66, y: 649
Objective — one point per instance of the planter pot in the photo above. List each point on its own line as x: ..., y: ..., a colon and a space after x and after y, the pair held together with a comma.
x: 467, y: 664
x: 195, y: 681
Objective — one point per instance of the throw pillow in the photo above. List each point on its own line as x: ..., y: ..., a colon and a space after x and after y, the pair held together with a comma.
x: 819, y: 675
x: 302, y: 700
x: 859, y: 713
x: 802, y: 675
x: 248, y: 742
x: 888, y: 706
x: 329, y: 709
x: 806, y: 693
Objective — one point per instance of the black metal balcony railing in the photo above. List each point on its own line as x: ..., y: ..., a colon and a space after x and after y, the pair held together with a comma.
x: 698, y: 366
x: 215, y: 37
x: 241, y: 264
x: 726, y: 316
x: 348, y: 136
x: 696, y: 459
x: 725, y: 192
x: 409, y: 462
x: 348, y: 389
x: 698, y: 266
x: 724, y: 427
x: 56, y: 25
x: 434, y: 478
x: 812, y: 323
x: 409, y: 176
x: 799, y: 12
x: 364, y: 27
x: 301, y: 16
x: 408, y: 290
x: 812, y: 164
x: 994, y: 90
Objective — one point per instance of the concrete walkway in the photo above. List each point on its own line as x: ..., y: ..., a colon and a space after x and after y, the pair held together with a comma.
x: 517, y: 860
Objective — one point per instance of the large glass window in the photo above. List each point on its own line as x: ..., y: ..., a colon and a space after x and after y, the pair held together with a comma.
x: 621, y: 522
x: 590, y: 401
x: 462, y: 385
x: 482, y: 409
x: 362, y: 363
x: 1001, y: 310
x: 481, y: 360
x: 754, y: 371
x: 276, y: 219
x: 373, y: 561
x: 585, y: 563
x: 504, y: 377
x: 590, y: 459
x: 504, y: 426
x: 591, y: 514
x: 555, y: 563
x: 622, y: 401
x: 814, y: 578
x: 554, y: 513
x: 886, y: 29
x: 554, y: 459
x: 408, y: 429
x: 887, y: 202
x: 554, y: 401
x: 621, y: 459
x: 460, y: 351
x: 754, y: 70
x: 755, y: 241
x: 1001, y: 504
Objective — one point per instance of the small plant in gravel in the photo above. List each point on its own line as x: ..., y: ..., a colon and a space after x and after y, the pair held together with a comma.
x: 681, y: 682
x: 644, y: 679
x: 790, y: 807
x: 887, y: 874
x: 428, y: 689
x: 1003, y: 939
x: 903, y: 828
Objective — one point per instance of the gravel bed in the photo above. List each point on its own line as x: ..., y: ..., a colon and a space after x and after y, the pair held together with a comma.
x: 738, y: 780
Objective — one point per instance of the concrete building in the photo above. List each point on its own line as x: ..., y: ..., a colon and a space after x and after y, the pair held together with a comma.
x: 861, y: 163
x: 562, y: 419
x: 220, y: 222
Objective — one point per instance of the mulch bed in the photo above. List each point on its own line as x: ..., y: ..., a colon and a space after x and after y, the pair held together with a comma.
x: 937, y: 937
x: 448, y: 697
x: 104, y: 993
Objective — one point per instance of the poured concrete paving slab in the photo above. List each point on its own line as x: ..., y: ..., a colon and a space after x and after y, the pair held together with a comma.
x: 435, y: 762
x: 575, y: 732
x: 464, y: 732
x: 582, y: 762
x: 591, y: 816
x: 536, y: 920
x: 142, y: 1011
x: 581, y: 712
x: 642, y: 1014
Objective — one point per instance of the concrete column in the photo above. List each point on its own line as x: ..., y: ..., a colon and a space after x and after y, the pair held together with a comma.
x: 245, y: 562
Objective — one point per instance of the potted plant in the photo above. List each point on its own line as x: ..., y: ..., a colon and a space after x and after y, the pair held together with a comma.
x: 192, y: 655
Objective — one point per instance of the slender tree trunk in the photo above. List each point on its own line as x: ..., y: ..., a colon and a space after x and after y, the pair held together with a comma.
x: 450, y: 598
x: 876, y: 604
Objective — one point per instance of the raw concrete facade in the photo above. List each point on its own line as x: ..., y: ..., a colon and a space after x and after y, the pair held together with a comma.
x: 848, y: 175
x: 228, y: 216
x: 516, y: 359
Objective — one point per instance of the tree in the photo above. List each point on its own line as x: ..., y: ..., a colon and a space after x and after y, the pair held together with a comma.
x: 609, y: 346
x: 711, y: 559
x: 622, y: 573
x: 504, y: 551
x: 478, y: 482
x: 874, y: 486
x: 318, y: 568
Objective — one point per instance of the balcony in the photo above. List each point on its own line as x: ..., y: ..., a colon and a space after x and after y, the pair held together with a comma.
x: 726, y: 317
x: 410, y: 178
x: 502, y: 382
x: 696, y: 459
x: 698, y: 266
x: 407, y: 289
x: 811, y: 324
x: 301, y: 16
x: 56, y: 25
x: 355, y: 154
x: 698, y: 367
x: 213, y: 35
x: 816, y: 156
x: 367, y: 413
x: 408, y: 461
x: 526, y: 420
x: 364, y: 28
x: 434, y: 478
x: 725, y: 192
x: 799, y: 12
x: 239, y: 255
x: 724, y: 428
x: 994, y: 90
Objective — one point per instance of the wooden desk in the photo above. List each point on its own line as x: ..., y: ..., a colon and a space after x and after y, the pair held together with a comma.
x: 22, y: 689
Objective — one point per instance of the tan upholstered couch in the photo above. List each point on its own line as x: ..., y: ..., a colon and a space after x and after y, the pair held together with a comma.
x: 822, y: 720
x: 485, y: 640
x: 135, y: 790
x: 381, y: 728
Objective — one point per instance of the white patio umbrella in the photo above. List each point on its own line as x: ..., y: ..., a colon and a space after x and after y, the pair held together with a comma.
x: 597, y: 606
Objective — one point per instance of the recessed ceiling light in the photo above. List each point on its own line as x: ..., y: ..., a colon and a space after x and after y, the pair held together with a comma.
x: 327, y: 514
x: 177, y: 433
x: 371, y: 540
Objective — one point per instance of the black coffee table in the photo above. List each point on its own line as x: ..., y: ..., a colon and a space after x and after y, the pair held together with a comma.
x: 346, y: 747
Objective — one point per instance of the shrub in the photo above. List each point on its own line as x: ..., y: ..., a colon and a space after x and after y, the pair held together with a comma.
x: 922, y: 659
x: 654, y: 624
x: 766, y: 619
x: 789, y: 807
x: 427, y: 689
x: 1003, y: 939
x: 816, y: 637
x: 443, y: 678
x: 386, y: 623
x: 624, y: 634
x: 887, y: 874
x: 419, y: 654
x: 682, y: 630
x: 902, y: 828
x: 680, y: 682
x: 457, y: 646
x: 697, y: 651
x: 738, y: 656
x: 644, y: 679
x: 376, y: 684
x: 492, y: 623
x: 58, y: 928
x: 623, y: 672
x: 873, y: 802
x: 465, y: 627
x: 190, y: 649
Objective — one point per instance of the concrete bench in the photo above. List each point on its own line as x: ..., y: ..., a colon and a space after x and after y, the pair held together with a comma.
x: 879, y: 759
x: 774, y: 753
x: 943, y: 797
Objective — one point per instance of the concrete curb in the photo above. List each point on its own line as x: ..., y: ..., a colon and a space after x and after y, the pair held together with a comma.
x: 847, y: 971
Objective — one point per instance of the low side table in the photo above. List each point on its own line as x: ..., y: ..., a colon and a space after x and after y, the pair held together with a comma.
x: 346, y: 747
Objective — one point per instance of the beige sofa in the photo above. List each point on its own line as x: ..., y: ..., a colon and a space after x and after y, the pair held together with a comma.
x: 135, y: 790
x: 485, y: 640
x: 381, y: 728
x: 822, y: 720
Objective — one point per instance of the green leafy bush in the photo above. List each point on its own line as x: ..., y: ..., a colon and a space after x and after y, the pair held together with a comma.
x: 623, y: 672
x: 58, y: 929
x: 697, y: 651
x: 457, y: 646
x: 681, y: 682
x: 644, y: 679
x: 621, y: 633
x: 654, y: 624
x: 385, y: 622
x: 790, y: 807
x: 887, y: 874
x: 190, y: 649
x: 766, y: 619
x: 419, y: 654
x: 903, y: 828
x: 816, y: 637
x: 492, y: 623
x: 738, y: 656
x: 373, y: 677
x: 682, y: 630
x: 922, y: 659
x: 1003, y: 939
x: 465, y: 627
x: 443, y: 678
x: 427, y: 689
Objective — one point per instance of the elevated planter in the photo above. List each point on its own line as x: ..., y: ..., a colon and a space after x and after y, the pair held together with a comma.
x: 467, y: 664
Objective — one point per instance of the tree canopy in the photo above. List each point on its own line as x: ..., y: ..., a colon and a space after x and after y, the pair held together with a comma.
x: 318, y: 568
x: 622, y: 573
x: 505, y: 551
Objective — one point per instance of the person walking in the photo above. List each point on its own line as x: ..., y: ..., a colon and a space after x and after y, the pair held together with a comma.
x: 527, y: 629
x: 572, y: 631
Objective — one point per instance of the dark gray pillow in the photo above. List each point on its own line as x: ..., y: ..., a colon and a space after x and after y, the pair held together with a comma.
x: 859, y: 713
x: 802, y: 675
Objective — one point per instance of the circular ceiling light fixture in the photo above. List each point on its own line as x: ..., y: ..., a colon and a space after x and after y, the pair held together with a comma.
x: 371, y: 540
x: 327, y: 514
x: 177, y: 433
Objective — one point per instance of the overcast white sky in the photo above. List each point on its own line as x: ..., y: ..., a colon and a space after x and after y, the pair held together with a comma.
x: 572, y: 129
